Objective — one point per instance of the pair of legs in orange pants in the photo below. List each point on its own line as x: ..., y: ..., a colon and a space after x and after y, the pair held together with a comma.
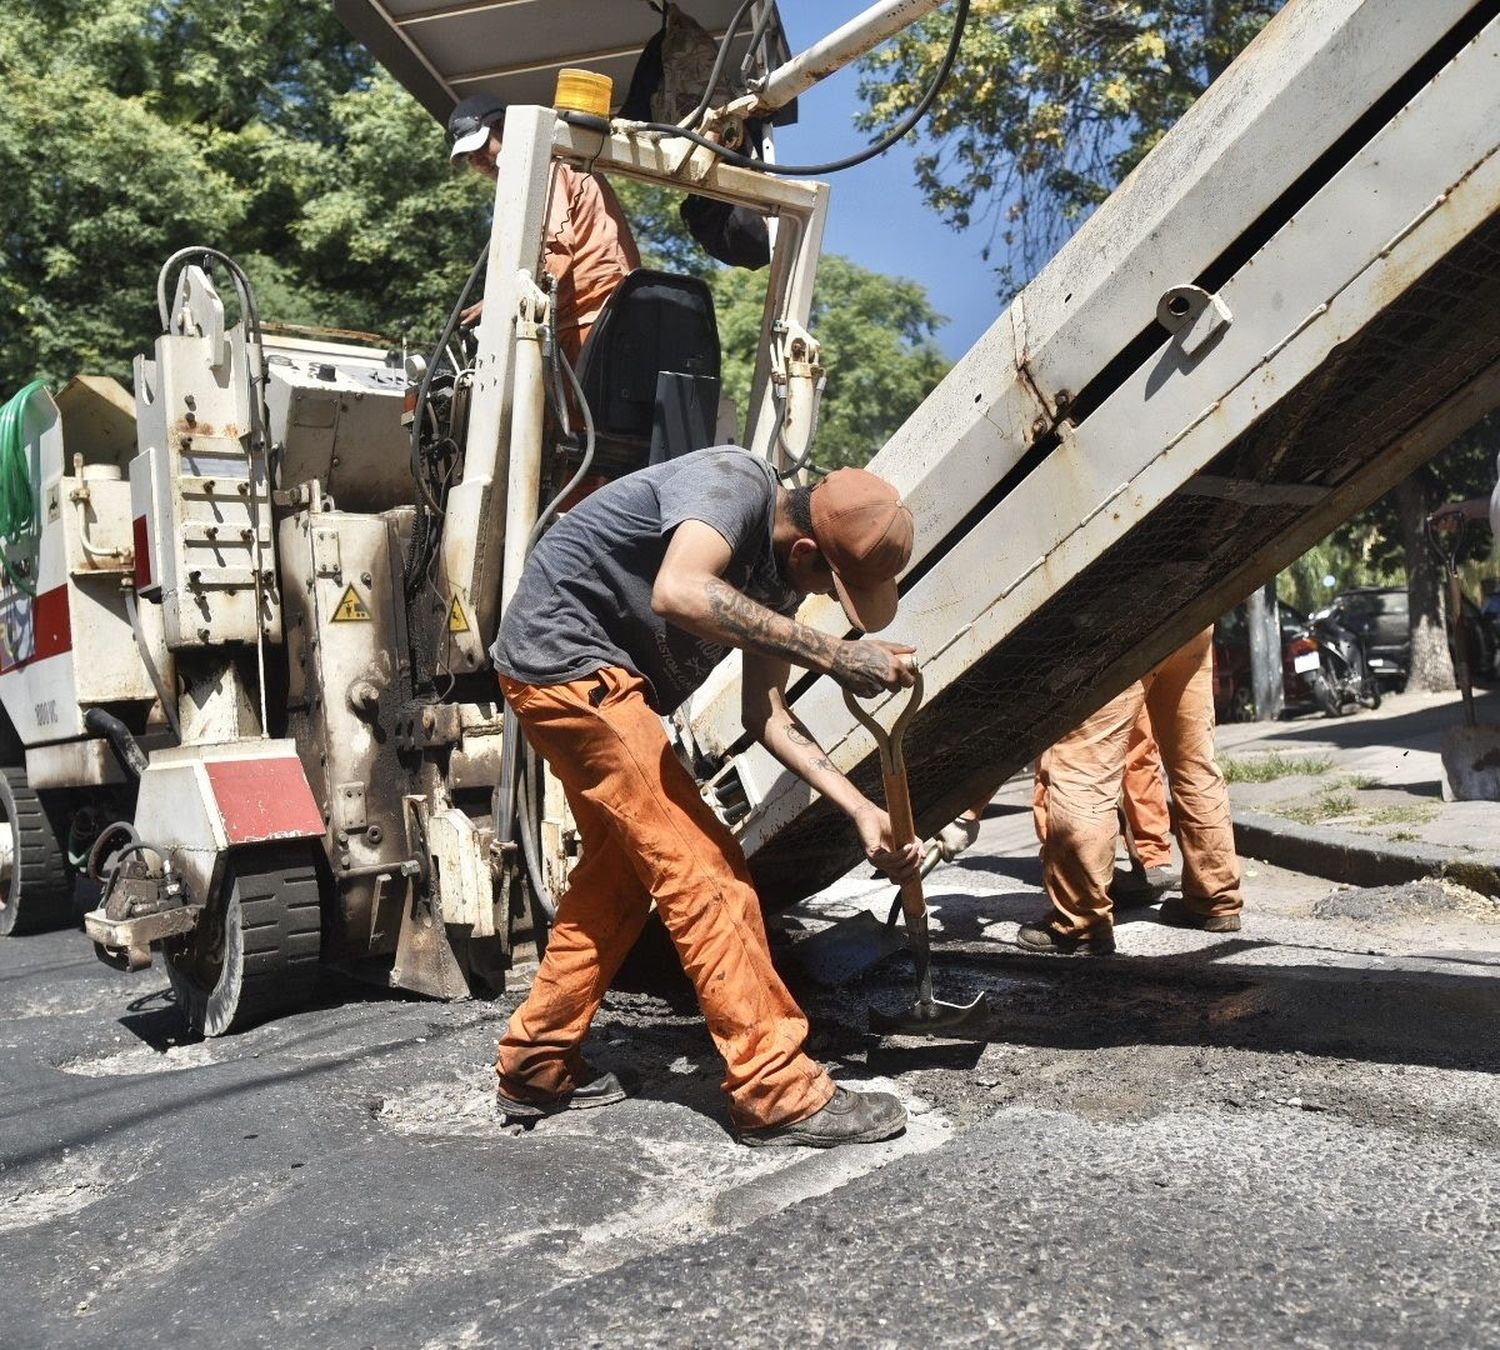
x: 646, y: 833
x: 1143, y: 797
x: 1079, y: 782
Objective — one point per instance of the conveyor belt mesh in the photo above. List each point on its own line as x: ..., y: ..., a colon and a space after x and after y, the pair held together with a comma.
x: 1158, y: 584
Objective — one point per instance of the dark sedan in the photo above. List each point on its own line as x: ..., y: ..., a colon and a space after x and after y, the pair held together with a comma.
x: 1380, y: 616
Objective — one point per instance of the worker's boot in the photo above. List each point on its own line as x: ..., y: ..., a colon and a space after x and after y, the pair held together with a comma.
x: 848, y: 1118
x: 1143, y: 886
x: 1042, y: 937
x: 601, y: 1089
x: 1177, y: 914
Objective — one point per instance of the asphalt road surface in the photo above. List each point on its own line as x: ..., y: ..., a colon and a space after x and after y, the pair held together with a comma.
x: 1289, y: 1134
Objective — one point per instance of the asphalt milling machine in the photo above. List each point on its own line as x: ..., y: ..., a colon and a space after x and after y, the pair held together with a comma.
x: 244, y: 677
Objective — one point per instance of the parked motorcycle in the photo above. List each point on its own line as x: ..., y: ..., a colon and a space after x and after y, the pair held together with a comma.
x: 1338, y: 672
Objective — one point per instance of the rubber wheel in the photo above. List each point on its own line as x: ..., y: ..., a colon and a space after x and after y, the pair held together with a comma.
x: 38, y: 892
x: 254, y: 954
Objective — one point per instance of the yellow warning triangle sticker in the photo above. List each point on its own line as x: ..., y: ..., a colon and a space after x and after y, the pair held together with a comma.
x: 351, y: 608
x: 457, y: 623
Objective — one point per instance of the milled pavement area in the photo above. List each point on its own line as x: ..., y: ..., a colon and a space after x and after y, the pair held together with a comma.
x: 1287, y: 1134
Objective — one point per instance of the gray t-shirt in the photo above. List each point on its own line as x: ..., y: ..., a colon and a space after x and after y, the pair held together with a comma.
x: 584, y: 601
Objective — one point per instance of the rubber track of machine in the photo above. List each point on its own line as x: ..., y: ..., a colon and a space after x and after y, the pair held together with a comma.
x: 39, y: 894
x: 281, y: 921
x: 274, y: 907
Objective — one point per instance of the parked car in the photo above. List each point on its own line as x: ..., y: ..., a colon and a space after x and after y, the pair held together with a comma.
x: 1234, y: 696
x: 1379, y: 614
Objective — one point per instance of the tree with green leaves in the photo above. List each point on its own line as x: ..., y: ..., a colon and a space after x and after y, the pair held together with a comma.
x: 1049, y: 105
x: 1392, y: 535
x: 131, y: 128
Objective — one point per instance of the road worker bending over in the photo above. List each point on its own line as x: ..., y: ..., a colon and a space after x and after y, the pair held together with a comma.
x: 623, y: 608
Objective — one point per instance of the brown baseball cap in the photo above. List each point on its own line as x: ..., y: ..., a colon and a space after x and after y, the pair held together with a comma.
x: 864, y: 530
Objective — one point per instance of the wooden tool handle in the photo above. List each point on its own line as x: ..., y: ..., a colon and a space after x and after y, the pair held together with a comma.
x: 904, y: 832
x: 898, y: 803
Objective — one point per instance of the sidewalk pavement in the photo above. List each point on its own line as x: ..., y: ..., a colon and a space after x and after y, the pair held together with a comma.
x: 1359, y: 799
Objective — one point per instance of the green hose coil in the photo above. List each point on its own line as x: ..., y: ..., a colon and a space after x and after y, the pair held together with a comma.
x: 17, y: 502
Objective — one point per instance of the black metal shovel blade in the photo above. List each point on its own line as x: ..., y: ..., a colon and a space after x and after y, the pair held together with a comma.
x: 936, y: 1018
x: 847, y: 949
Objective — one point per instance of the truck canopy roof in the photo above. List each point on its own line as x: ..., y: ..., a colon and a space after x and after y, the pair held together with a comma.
x: 443, y: 50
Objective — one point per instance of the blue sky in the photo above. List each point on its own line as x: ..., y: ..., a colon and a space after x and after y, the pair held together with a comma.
x: 877, y: 216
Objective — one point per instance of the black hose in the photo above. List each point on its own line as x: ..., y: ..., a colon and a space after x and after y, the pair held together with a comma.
x: 729, y: 156
x: 449, y: 329
x: 721, y: 59
x: 125, y: 746
x: 530, y: 850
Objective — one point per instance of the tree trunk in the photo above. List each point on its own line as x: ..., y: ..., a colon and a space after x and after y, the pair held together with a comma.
x: 1215, y: 60
x: 1431, y: 665
x: 1263, y: 620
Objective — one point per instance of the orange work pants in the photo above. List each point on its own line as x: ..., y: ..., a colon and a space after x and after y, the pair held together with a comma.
x: 1145, y: 795
x: 646, y: 833
x: 1078, y: 790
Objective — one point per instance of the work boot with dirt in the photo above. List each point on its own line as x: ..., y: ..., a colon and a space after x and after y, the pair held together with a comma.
x: 1163, y: 879
x: 1144, y: 886
x: 600, y: 1089
x: 1042, y: 937
x: 848, y: 1118
x: 1176, y: 913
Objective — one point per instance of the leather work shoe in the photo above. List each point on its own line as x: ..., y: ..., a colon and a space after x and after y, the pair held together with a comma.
x: 1176, y: 913
x: 1133, y: 890
x: 1161, y: 879
x: 1040, y: 937
x: 849, y: 1118
x: 603, y: 1089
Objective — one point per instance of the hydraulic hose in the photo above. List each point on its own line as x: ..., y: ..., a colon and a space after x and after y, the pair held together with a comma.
x: 17, y: 501
x: 168, y: 704
x: 960, y: 20
x: 127, y: 749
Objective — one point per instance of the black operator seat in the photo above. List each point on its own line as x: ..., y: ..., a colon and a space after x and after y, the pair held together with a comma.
x: 650, y: 372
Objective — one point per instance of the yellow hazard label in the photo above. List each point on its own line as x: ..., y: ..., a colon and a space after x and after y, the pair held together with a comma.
x: 457, y: 623
x: 351, y: 608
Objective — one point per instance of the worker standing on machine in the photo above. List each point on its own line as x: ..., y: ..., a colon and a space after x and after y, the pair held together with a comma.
x: 623, y: 609
x: 587, y: 249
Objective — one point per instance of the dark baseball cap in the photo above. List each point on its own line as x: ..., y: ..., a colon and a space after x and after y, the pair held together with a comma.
x: 469, y: 123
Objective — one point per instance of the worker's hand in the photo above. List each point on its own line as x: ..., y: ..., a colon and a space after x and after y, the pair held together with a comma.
x: 874, y: 826
x: 870, y: 666
x: 471, y: 315
x: 956, y: 836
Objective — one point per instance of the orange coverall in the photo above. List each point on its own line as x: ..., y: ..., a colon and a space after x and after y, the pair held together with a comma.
x: 646, y: 831
x: 588, y: 248
x: 1078, y: 791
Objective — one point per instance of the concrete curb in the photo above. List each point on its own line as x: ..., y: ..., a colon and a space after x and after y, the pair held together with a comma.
x: 1359, y: 859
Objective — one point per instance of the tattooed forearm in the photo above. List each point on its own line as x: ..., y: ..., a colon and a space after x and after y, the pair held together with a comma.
x: 752, y: 626
x: 798, y: 734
